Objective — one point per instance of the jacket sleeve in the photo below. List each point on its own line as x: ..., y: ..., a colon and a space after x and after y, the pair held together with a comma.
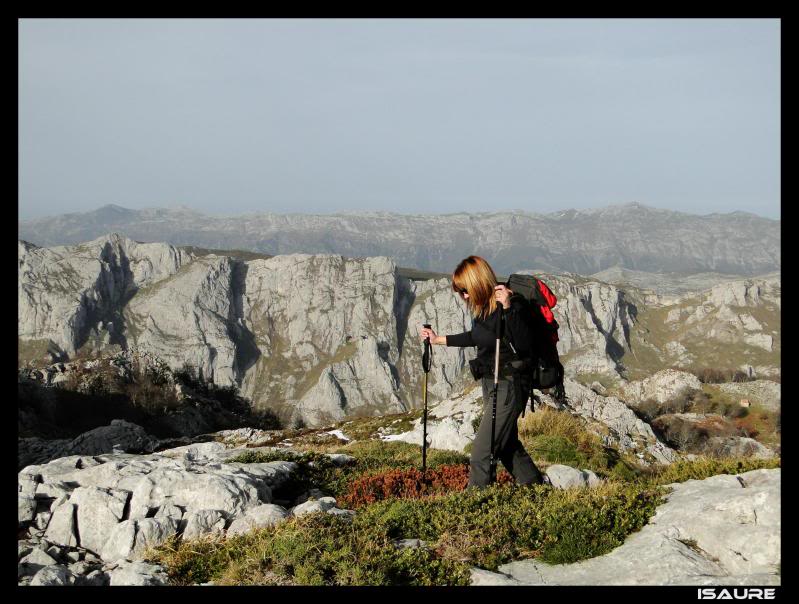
x: 461, y: 340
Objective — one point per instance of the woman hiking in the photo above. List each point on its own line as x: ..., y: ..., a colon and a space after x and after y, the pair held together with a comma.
x: 489, y: 302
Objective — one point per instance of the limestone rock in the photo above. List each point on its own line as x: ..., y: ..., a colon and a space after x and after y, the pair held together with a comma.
x: 95, y: 578
x: 171, y: 512
x: 53, y: 575
x: 26, y: 510
x: 23, y: 549
x: 663, y: 386
x: 258, y: 517
x: 62, y: 529
x: 340, y: 459
x: 35, y: 560
x: 137, y: 573
x: 120, y: 434
x: 566, y: 477
x: 450, y: 423
x: 312, y: 506
x: 121, y: 541
x: 152, y: 532
x: 481, y: 577
x: 624, y: 429
x: 99, y: 511
x: 61, y: 288
x: 27, y: 484
x: 132, y: 538
x: 203, y: 522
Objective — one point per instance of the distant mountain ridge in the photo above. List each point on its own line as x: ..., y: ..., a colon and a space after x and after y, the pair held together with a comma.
x: 630, y: 236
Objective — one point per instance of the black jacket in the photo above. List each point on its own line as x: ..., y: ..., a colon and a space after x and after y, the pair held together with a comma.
x: 518, y: 327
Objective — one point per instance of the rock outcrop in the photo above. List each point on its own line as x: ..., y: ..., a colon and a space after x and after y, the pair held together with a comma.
x: 623, y: 429
x: 119, y: 436
x: 90, y: 518
x: 452, y: 423
x: 663, y: 386
x: 723, y: 530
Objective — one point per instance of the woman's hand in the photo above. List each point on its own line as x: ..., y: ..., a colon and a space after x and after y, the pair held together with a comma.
x: 503, y: 294
x: 426, y: 332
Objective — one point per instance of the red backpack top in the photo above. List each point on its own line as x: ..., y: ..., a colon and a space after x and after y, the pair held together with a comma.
x: 537, y: 292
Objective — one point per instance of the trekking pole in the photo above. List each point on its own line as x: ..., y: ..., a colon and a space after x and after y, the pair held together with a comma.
x: 493, y: 460
x: 426, y: 367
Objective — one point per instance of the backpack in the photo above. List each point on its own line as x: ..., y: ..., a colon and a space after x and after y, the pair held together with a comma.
x: 548, y: 371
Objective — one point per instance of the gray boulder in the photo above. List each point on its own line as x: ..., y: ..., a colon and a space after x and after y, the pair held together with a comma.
x: 99, y: 511
x: 27, y: 484
x: 120, y: 435
x: 26, y: 509
x: 121, y: 541
x: 261, y: 516
x: 133, y: 538
x: 312, y: 506
x: 137, y: 573
x: 623, y: 428
x: 53, y: 575
x: 62, y: 528
x: 34, y: 561
x: 95, y: 578
x: 203, y: 522
x: 566, y: 477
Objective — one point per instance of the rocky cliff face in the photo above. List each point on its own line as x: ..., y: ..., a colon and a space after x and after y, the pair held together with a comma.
x: 71, y: 295
x: 318, y: 338
x: 630, y: 236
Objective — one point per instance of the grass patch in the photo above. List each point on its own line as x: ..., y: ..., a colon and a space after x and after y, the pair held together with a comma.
x: 559, y: 437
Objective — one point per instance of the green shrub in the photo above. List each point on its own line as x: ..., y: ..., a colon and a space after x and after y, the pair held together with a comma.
x: 484, y: 527
x: 500, y: 523
x: 318, y: 549
x: 703, y: 467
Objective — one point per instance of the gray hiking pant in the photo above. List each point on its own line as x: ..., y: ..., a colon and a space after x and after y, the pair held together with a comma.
x: 508, y: 449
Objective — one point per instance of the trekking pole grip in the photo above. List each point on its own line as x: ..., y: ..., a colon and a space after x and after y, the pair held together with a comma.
x: 426, y: 355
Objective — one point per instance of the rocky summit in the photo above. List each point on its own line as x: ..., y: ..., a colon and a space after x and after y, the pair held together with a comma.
x: 317, y: 338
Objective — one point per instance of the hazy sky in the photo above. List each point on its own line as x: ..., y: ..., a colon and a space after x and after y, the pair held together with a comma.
x: 408, y: 115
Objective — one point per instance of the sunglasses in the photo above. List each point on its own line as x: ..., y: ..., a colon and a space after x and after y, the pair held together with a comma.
x: 460, y: 291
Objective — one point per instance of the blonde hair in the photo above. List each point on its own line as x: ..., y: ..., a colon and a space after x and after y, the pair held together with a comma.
x: 477, y: 278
